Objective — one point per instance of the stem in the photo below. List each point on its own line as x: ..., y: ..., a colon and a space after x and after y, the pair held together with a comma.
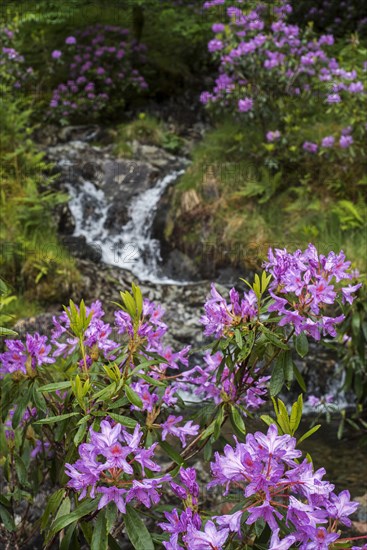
x: 82, y: 349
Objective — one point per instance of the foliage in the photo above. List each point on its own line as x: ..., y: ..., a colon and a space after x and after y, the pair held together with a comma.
x: 332, y: 16
x: 102, y: 72
x: 5, y: 299
x: 90, y: 408
x: 29, y: 248
x: 228, y: 208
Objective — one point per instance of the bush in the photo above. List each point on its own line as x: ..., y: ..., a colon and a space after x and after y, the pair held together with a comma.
x: 88, y: 410
x: 102, y: 73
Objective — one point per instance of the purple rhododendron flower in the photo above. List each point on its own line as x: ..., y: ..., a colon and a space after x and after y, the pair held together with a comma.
x: 310, y: 278
x: 245, y: 105
x: 111, y: 452
x: 328, y: 141
x: 273, y: 136
x: 310, y: 147
x: 56, y: 54
x: 206, y: 540
x: 345, y: 141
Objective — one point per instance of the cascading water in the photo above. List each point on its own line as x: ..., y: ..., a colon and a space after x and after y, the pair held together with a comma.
x: 133, y: 248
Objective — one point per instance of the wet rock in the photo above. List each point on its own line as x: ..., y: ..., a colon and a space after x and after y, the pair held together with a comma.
x: 78, y: 247
x: 66, y: 222
x: 180, y: 267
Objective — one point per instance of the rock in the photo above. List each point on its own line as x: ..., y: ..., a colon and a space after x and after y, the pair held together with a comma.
x: 77, y: 246
x: 154, y: 155
x: 229, y: 276
x: 180, y: 267
x: 41, y: 324
x: 362, y: 509
x: 66, y: 222
x: 82, y: 133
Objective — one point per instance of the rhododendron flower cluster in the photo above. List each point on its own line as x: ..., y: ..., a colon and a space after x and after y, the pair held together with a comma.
x: 267, y: 64
x: 290, y: 55
x: 305, y: 284
x: 207, y: 386
x: 279, y: 487
x: 102, y: 67
x: 106, y: 467
x: 96, y: 337
x: 12, y: 63
x: 221, y: 318
x: 35, y: 352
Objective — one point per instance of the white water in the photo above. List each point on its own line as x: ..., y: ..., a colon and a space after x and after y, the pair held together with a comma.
x: 133, y: 248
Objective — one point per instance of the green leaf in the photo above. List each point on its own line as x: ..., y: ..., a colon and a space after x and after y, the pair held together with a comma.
x: 52, y: 505
x: 85, y: 508
x: 283, y: 418
x: 136, y: 530
x: 301, y: 344
x: 238, y: 337
x: 66, y: 540
x: 21, y: 471
x: 19, y: 411
x: 288, y: 367
x: 138, y: 299
x: 38, y: 399
x: 296, y: 414
x: 106, y: 393
x: 208, y: 452
x: 274, y: 339
x: 218, y: 424
x: 79, y: 436
x: 111, y: 515
x: 277, y: 377
x: 299, y: 378
x: 267, y: 419
x: 100, y: 534
x: 309, y: 433
x: 7, y: 519
x: 52, y: 419
x: 64, y: 509
x: 172, y: 453
x: 133, y: 397
x: 237, y: 420
x: 4, y: 501
x: 124, y: 420
x: 55, y: 386
x: 150, y: 380
x: 87, y: 528
x: 247, y: 346
x: 7, y: 332
x: 208, y: 431
x: 265, y: 280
